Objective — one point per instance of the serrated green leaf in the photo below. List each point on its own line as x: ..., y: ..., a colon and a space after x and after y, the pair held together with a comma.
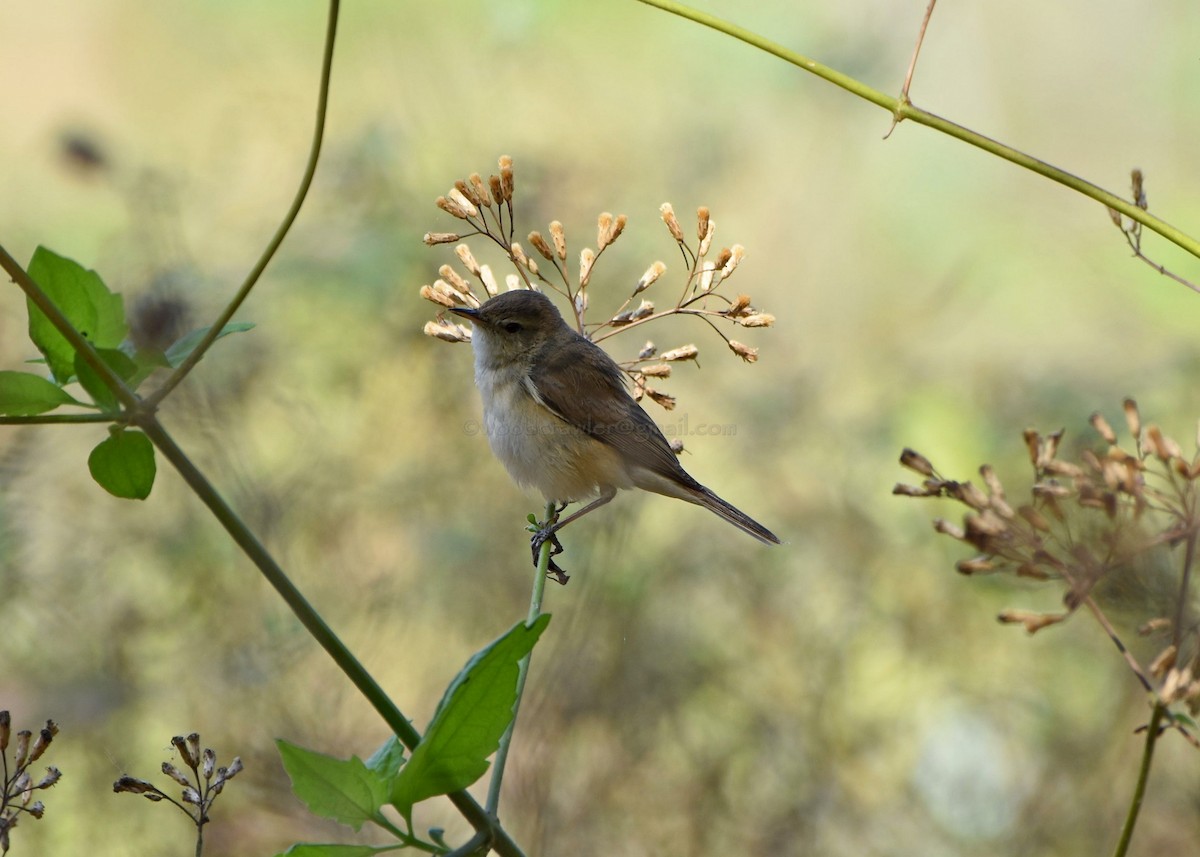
x: 118, y: 361
x: 186, y: 344
x: 386, y: 761
x: 123, y: 465
x: 469, y: 722
x: 307, y: 849
x: 345, y: 790
x: 23, y: 394
x: 83, y: 298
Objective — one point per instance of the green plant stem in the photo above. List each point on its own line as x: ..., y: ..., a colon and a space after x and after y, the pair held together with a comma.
x: 310, y: 170
x: 902, y: 109
x: 535, y: 610
x: 50, y: 419
x: 1139, y: 791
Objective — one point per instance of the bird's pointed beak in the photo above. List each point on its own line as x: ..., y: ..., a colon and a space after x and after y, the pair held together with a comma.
x: 465, y: 312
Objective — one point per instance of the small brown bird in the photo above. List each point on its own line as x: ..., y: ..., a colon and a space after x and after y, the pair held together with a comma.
x: 558, y: 415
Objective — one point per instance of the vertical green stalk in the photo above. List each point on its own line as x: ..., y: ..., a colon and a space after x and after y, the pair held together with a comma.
x: 1139, y: 791
x: 535, y: 610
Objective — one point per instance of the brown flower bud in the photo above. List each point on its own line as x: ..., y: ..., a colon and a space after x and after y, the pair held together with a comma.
x: 668, y: 217
x: 750, y: 355
x: 1133, y: 419
x: 652, y: 273
x: 916, y: 462
x: 1100, y: 424
x: 432, y: 238
x: 559, y: 237
x: 683, y: 352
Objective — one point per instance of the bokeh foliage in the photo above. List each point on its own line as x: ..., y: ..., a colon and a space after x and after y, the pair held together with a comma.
x: 698, y: 694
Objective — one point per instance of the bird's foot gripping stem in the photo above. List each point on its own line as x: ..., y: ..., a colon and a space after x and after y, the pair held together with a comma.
x: 547, y: 532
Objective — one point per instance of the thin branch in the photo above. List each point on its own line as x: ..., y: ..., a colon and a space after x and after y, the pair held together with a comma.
x: 310, y: 170
x: 535, y: 610
x: 931, y: 120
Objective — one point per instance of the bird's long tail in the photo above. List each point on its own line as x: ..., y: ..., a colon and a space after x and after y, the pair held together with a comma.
x: 735, y: 516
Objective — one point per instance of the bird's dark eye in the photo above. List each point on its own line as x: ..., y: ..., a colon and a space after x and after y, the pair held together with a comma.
x: 513, y: 327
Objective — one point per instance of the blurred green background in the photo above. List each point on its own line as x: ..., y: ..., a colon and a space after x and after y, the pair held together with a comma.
x: 696, y: 693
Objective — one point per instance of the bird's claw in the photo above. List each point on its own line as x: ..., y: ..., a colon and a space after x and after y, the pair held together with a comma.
x: 541, y: 537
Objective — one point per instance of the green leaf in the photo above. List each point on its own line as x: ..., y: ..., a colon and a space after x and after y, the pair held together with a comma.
x: 306, y: 849
x: 345, y: 790
x: 186, y: 344
x: 23, y: 394
x: 123, y: 465
x: 469, y: 721
x: 86, y: 302
x: 118, y: 361
x: 386, y: 761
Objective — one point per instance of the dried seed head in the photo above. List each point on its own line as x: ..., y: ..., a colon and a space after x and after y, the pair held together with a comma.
x: 53, y: 775
x: 1034, y: 518
x: 461, y: 203
x: 1033, y: 622
x: 677, y: 445
x: 581, y: 302
x: 454, y: 279
x: 1114, y: 216
x: 639, y: 388
x: 42, y: 741
x: 702, y: 215
x: 658, y: 370
x: 750, y: 355
x: 209, y: 762
x: 6, y: 722
x: 667, y: 402
x: 506, y: 176
x: 497, y: 189
x: 736, y: 253
x: 947, y: 528
x: 1160, y: 623
x: 1100, y: 424
x: 648, y: 350
x: 1137, y: 181
x: 644, y: 309
x: 968, y: 493
x: 992, y: 481
x: 708, y: 276
x: 739, y: 306
x: 539, y: 244
x: 758, y: 319
x: 468, y: 193
x: 1163, y: 661
x: 467, y: 258
x: 1163, y: 447
x: 652, y: 273
x: 21, y: 750
x: 447, y: 331
x: 513, y: 282
x: 974, y: 565
x: 433, y: 295
x: 481, y: 196
x: 683, y: 352
x: 191, y: 796
x: 175, y: 774
x: 706, y: 240
x: 235, y: 767
x: 587, y: 258
x: 1176, y: 684
x: 559, y: 237
x: 134, y: 786
x: 432, y: 238
x: 603, y: 228
x: 489, y: 281
x: 668, y: 217
x: 916, y: 462
x: 1133, y: 419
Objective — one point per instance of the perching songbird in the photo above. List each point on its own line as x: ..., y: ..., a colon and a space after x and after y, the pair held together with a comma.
x: 557, y: 414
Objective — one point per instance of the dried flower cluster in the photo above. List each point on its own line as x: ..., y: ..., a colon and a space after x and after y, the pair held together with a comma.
x: 18, y: 783
x: 1117, y: 523
x: 486, y: 208
x: 200, y: 790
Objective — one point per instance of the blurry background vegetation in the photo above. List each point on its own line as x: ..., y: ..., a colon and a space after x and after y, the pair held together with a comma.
x: 696, y: 693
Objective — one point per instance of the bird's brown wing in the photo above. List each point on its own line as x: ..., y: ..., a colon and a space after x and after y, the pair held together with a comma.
x: 560, y: 379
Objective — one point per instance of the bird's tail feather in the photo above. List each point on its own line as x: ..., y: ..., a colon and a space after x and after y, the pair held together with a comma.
x: 735, y: 516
